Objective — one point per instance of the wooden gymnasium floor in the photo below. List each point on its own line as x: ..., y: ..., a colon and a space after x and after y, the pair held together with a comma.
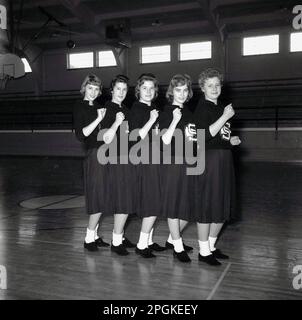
x: 41, y: 243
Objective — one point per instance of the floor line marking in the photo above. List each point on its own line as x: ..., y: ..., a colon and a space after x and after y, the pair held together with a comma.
x: 45, y: 241
x: 50, y: 204
x: 210, y: 296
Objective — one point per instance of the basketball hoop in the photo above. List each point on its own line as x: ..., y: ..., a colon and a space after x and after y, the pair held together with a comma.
x: 11, y: 67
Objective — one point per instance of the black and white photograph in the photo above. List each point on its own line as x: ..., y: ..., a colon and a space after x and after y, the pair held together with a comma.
x: 150, y: 153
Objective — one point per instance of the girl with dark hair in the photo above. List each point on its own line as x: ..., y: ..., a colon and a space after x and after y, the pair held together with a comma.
x: 121, y: 173
x: 175, y: 196
x: 88, y: 117
x: 143, y: 117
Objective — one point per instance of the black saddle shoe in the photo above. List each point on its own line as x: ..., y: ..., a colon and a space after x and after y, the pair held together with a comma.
x: 219, y: 255
x: 91, y: 246
x: 120, y: 250
x: 156, y: 247
x: 171, y: 246
x: 128, y: 244
x: 145, y: 253
x: 210, y: 260
x: 182, y: 256
x: 101, y: 243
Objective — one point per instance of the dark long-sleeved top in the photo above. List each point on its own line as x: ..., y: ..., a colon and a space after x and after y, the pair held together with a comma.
x: 138, y: 117
x: 111, y: 110
x: 83, y: 115
x: 185, y: 124
x: 207, y: 113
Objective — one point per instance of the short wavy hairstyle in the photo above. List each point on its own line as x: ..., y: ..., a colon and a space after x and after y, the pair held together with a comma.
x: 176, y: 81
x: 146, y: 77
x: 207, y: 74
x: 93, y: 80
x: 119, y: 78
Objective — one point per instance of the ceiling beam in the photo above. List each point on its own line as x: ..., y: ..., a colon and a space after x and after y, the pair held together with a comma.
x: 87, y: 16
x: 129, y: 13
x: 147, y: 11
x: 217, y: 3
x: 171, y: 27
x: 192, y: 25
x: 41, y: 3
x: 81, y: 11
x: 213, y: 21
x: 255, y: 18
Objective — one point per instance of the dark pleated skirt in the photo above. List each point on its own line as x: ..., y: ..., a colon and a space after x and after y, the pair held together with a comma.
x: 175, y: 197
x: 96, y: 182
x: 123, y: 188
x: 212, y: 196
x: 149, y: 190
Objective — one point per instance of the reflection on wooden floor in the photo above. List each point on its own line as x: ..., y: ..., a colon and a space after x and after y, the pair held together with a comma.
x: 42, y: 249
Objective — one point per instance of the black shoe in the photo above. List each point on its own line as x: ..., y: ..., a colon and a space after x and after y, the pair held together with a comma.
x: 182, y: 256
x: 120, y: 250
x: 210, y: 259
x: 156, y: 247
x: 187, y: 248
x: 128, y: 244
x: 171, y: 246
x: 219, y: 255
x: 100, y: 243
x: 91, y: 246
x: 145, y: 253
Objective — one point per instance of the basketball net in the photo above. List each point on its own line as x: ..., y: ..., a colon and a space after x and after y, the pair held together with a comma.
x: 3, y: 81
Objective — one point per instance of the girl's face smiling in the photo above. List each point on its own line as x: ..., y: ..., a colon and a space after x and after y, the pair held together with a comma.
x: 147, y: 92
x: 91, y: 92
x: 119, y: 92
x: 212, y: 89
x: 180, y: 95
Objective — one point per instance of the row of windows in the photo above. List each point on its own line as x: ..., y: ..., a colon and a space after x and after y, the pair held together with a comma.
x: 154, y: 54
x: 187, y: 51
x: 270, y: 44
x: 86, y: 59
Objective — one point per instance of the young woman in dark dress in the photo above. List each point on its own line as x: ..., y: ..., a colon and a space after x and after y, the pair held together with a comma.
x: 143, y: 117
x: 214, y: 196
x: 88, y: 118
x: 174, y: 179
x: 122, y: 174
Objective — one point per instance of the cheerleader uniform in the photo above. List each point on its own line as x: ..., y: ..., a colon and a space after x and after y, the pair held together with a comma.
x: 96, y: 176
x: 122, y: 176
x: 174, y: 179
x: 213, y: 194
x: 149, y: 194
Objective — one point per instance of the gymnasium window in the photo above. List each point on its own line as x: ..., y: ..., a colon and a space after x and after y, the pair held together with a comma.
x: 106, y: 59
x: 155, y: 54
x: 195, y: 51
x: 80, y: 60
x: 296, y: 42
x: 26, y: 65
x: 261, y: 45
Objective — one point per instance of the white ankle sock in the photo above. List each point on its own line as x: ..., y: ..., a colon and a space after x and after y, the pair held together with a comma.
x: 143, y: 241
x: 89, y: 236
x: 204, y: 248
x: 96, y: 236
x: 178, y: 245
x: 150, y: 239
x: 117, y: 239
x: 212, y: 242
x: 170, y: 240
